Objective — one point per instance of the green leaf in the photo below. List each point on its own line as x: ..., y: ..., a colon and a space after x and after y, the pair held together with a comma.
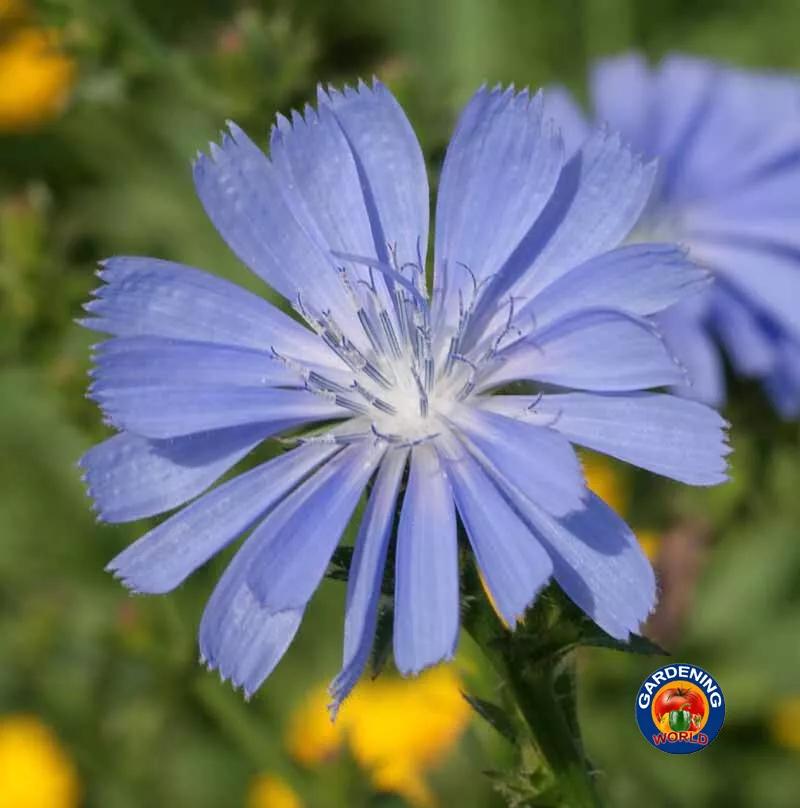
x: 495, y: 715
x: 339, y: 567
x: 594, y: 636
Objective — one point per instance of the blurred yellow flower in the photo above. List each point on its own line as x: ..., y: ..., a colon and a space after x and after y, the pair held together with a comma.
x: 35, y: 772
x: 784, y: 723
x: 604, y: 479
x: 269, y: 791
x: 312, y: 738
x: 35, y: 78
x: 395, y: 728
x: 650, y: 540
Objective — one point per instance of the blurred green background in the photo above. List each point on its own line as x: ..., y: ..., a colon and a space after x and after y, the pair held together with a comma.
x: 102, y: 702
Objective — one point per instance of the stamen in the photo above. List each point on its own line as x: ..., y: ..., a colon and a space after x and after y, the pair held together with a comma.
x: 399, y: 442
x: 400, y: 309
x: 306, y: 314
x: 330, y: 438
x: 385, y: 270
x: 290, y: 363
x: 423, y: 395
x: 376, y: 402
x: 452, y: 353
x: 389, y: 438
x: 473, y: 376
x: 349, y: 404
x: 375, y: 374
x: 427, y: 373
x: 321, y: 383
x: 391, y: 336
x: 472, y: 276
x: 369, y: 330
x: 535, y: 403
x: 346, y: 351
x: 507, y: 330
x: 341, y: 273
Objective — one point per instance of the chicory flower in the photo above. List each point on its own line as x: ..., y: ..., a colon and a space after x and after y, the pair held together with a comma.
x: 529, y: 285
x: 728, y: 144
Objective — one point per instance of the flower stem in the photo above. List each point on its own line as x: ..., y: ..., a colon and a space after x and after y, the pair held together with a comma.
x: 535, y: 664
x: 549, y: 717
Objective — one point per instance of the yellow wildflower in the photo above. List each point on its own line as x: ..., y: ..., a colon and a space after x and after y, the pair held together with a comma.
x: 784, y: 723
x: 270, y: 791
x: 603, y: 478
x: 312, y: 738
x: 35, y: 772
x: 417, y: 720
x: 35, y: 78
x: 650, y: 541
x: 395, y: 728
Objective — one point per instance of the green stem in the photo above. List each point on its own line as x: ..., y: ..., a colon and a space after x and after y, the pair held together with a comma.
x: 534, y: 692
x: 535, y: 666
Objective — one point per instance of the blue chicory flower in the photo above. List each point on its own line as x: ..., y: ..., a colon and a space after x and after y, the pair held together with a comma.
x: 529, y: 284
x: 728, y: 142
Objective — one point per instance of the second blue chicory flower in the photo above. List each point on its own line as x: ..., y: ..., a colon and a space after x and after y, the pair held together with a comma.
x: 728, y: 144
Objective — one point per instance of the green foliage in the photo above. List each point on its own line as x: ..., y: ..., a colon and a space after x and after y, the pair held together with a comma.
x: 118, y: 676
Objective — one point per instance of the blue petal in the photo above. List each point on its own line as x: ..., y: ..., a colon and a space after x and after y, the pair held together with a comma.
x: 170, y: 411
x: 596, y: 349
x: 680, y: 439
x: 298, y: 538
x: 689, y: 341
x: 738, y: 113
x: 366, y: 573
x: 599, y: 198
x: 769, y: 280
x: 500, y: 170
x: 513, y: 564
x: 597, y: 561
x: 390, y: 165
x: 426, y: 598
x: 238, y: 636
x: 621, y: 91
x: 339, y: 188
x: 613, y: 186
x: 145, y: 296
x: 154, y: 361
x: 684, y: 89
x: 568, y: 116
x: 639, y: 279
x: 762, y: 216
x: 252, y: 207
x: 540, y: 461
x: 783, y: 384
x: 752, y: 348
x: 130, y: 477
x: 163, y: 558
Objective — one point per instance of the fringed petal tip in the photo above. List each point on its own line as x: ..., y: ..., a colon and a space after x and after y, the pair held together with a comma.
x: 226, y: 677
x: 603, y: 135
x: 330, y: 95
x: 416, y: 670
x: 132, y: 583
x: 339, y: 692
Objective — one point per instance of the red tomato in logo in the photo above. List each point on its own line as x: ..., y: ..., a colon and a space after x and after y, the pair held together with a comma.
x: 673, y: 698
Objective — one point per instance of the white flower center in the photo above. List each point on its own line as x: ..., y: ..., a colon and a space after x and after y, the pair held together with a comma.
x: 395, y: 388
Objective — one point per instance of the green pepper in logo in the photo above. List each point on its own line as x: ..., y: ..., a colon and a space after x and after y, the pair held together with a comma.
x: 681, y: 720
